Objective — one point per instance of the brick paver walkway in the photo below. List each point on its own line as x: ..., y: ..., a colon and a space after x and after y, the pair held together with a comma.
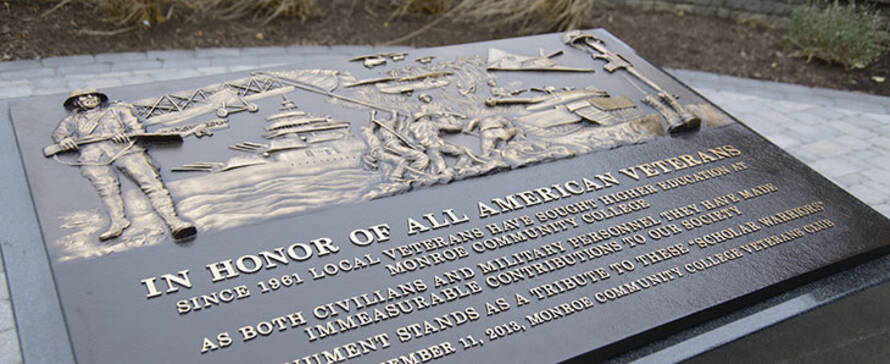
x: 843, y: 135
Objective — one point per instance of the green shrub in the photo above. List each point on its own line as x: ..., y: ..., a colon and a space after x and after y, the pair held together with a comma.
x: 845, y: 34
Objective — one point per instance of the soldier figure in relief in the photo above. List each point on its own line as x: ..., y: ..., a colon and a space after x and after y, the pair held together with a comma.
x: 92, y: 116
x: 491, y: 130
x: 427, y: 132
x: 393, y: 147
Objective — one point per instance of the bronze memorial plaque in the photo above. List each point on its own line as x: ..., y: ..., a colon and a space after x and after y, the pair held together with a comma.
x: 526, y: 200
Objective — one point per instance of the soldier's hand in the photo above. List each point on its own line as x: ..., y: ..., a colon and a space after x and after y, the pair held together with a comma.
x: 120, y: 138
x: 68, y: 144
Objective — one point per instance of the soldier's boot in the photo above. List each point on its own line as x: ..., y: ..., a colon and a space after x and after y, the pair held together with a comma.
x: 114, y: 205
x: 675, y: 123
x: 689, y: 120
x: 179, y: 228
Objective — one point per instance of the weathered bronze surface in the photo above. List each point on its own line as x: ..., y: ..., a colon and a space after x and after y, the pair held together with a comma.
x: 478, y: 205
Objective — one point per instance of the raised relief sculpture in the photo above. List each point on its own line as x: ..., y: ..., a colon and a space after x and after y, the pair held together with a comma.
x: 499, y: 60
x: 104, y: 134
x: 679, y: 119
x: 300, y: 159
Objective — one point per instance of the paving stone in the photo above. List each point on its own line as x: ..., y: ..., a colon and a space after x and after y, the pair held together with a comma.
x: 67, y: 60
x: 811, y: 116
x: 211, y: 70
x: 881, y: 142
x: 883, y: 209
x: 4, y: 289
x: 866, y: 121
x: 846, y: 128
x: 861, y: 105
x: 240, y: 68
x: 741, y: 97
x: 866, y: 193
x: 83, y: 69
x: 311, y: 49
x: 176, y: 74
x: 878, y: 174
x: 793, y: 106
x: 783, y: 141
x: 716, y: 97
x: 50, y: 82
x: 883, y: 118
x: 186, y: 63
x: 849, y: 179
x: 94, y: 83
x: 170, y: 54
x: 234, y: 61
x: 9, y: 348
x: 6, y: 319
x: 829, y: 113
x: 881, y: 196
x: 804, y: 156
x: 217, y: 52
x: 769, y: 94
x: 20, y: 64
x: 51, y: 91
x: 807, y: 134
x: 15, y: 91
x: 814, y: 100
x: 269, y: 61
x: 786, y: 88
x: 15, y: 83
x: 746, y: 108
x: 27, y: 74
x: 264, y: 51
x: 775, y: 116
x: 882, y: 161
x: 867, y: 154
x: 835, y: 167
x: 134, y: 73
x: 851, y: 143
x: 882, y: 130
x: 135, y: 65
x: 121, y: 57
x: 135, y: 80
x: 694, y: 75
x: 704, y: 86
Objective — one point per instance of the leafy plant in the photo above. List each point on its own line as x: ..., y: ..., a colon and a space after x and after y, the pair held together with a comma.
x: 845, y: 34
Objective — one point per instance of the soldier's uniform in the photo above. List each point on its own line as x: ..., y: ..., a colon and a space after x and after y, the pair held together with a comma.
x: 491, y: 130
x: 418, y: 160
x: 97, y: 159
x: 427, y: 133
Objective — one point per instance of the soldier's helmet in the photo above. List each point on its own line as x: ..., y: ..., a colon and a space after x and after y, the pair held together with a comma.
x: 69, y: 102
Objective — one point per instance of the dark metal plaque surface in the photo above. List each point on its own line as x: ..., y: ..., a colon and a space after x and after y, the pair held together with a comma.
x: 525, y: 200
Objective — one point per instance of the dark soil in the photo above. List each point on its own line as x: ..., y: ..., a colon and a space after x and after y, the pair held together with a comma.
x: 667, y: 39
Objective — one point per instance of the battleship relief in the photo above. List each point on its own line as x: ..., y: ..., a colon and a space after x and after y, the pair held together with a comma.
x: 425, y: 121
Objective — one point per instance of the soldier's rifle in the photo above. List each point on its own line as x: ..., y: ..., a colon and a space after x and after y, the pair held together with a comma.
x: 164, y: 137
x: 393, y: 132
x: 614, y: 61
